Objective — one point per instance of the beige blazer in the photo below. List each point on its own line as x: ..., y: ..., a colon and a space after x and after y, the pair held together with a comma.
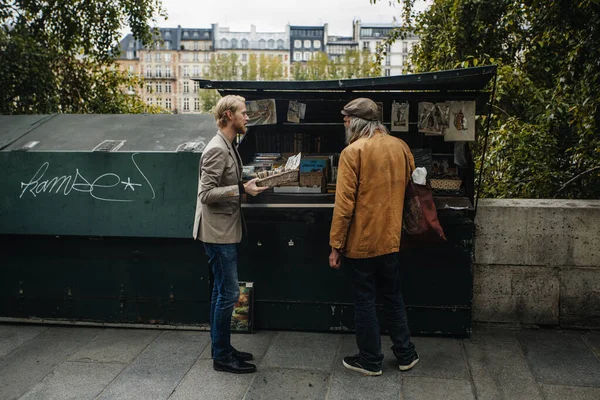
x: 218, y: 216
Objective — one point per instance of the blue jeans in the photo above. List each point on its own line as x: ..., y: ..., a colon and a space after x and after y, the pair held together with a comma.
x: 226, y: 292
x: 367, y: 275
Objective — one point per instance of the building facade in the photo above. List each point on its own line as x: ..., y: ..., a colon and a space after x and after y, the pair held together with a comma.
x: 182, y: 54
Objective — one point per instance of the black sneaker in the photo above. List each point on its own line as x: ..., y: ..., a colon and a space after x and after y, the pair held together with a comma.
x: 354, y: 363
x: 233, y: 365
x: 408, y: 364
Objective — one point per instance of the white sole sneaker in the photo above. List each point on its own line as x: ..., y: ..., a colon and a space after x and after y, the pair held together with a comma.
x: 409, y: 366
x: 362, y: 370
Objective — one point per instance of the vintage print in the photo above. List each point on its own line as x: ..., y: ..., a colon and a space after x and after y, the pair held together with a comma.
x: 261, y: 112
x: 399, y: 117
x: 462, y: 122
x: 433, y: 118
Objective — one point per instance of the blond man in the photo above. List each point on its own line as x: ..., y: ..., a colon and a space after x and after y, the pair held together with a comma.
x: 218, y: 224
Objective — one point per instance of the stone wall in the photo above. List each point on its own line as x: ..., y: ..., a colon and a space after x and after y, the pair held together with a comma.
x: 537, y: 262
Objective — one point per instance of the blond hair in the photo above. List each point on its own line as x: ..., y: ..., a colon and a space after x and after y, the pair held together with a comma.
x: 227, y: 103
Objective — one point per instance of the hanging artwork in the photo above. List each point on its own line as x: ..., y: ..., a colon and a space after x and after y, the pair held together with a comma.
x: 296, y: 111
x: 462, y: 122
x: 399, y: 117
x: 261, y: 112
x: 433, y: 118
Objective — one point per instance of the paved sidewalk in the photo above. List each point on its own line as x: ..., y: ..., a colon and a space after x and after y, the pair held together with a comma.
x: 52, y: 362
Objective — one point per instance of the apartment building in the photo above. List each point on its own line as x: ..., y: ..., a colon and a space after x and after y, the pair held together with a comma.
x: 251, y: 47
x: 305, y: 41
x: 369, y: 36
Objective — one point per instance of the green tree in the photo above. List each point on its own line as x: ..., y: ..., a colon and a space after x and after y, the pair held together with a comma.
x: 222, y: 67
x: 545, y: 125
x: 354, y: 64
x: 57, y: 56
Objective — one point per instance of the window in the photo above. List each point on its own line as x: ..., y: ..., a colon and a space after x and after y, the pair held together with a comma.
x: 196, y: 57
x: 186, y: 71
x: 262, y: 44
x: 149, y: 87
x: 196, y: 86
x: 149, y: 100
x: 131, y: 44
x: 158, y: 87
x: 271, y: 44
x: 167, y: 57
x: 186, y: 104
x: 167, y: 72
x: 148, y: 71
x: 168, y: 87
x: 224, y: 43
x: 307, y: 44
x: 405, y: 47
x: 196, y: 46
x: 196, y: 70
x: 244, y: 57
x: 317, y: 44
x: 157, y: 57
x: 234, y: 43
x: 168, y: 104
x: 280, y: 44
x: 186, y: 34
x: 186, y: 87
x: 387, y: 72
x: 206, y: 57
x: 167, y: 45
x: 244, y: 44
x: 167, y: 34
x: 297, y: 56
x: 195, y: 34
x: 196, y: 104
x: 366, y: 46
x: 158, y: 71
x: 206, y: 34
x: 306, y: 56
x: 159, y: 102
x: 297, y: 43
x: 130, y: 55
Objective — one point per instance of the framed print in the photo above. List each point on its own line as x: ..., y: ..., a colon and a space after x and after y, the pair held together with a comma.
x: 462, y: 122
x: 399, y: 117
x: 243, y: 311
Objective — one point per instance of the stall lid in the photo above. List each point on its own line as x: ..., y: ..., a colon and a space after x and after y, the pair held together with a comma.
x: 452, y: 80
x: 13, y: 127
x: 140, y: 132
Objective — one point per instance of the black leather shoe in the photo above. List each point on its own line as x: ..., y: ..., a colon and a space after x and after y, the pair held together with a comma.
x: 240, y: 355
x: 233, y: 365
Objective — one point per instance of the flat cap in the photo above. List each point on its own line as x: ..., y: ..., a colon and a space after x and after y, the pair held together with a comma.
x: 362, y: 108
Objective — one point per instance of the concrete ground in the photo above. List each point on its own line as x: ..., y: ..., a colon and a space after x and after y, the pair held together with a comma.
x: 53, y: 362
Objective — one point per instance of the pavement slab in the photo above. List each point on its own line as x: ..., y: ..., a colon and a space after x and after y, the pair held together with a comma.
x: 288, y: 384
x: 256, y: 343
x: 424, y: 388
x: 32, y: 361
x: 439, y: 358
x: 311, y: 351
x: 203, y: 382
x: 350, y: 385
x: 498, y: 367
x: 560, y: 358
x: 156, y: 372
x: 553, y: 392
x: 13, y: 336
x: 74, y: 381
x: 116, y: 345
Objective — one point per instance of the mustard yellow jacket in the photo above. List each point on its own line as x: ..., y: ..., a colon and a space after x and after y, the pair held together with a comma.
x: 369, y: 197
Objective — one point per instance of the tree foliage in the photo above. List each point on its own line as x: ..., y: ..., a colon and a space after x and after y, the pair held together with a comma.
x: 545, y: 124
x: 353, y: 64
x: 57, y: 55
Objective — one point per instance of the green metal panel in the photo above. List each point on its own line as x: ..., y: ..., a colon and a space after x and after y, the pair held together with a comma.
x: 98, y: 194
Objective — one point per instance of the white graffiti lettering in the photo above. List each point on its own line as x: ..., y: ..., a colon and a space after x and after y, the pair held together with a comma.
x: 65, y: 184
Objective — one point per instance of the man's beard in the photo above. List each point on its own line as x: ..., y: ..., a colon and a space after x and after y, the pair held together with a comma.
x: 239, y: 128
x: 349, y: 135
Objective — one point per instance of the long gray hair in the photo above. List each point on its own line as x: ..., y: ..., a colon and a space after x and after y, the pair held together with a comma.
x: 362, y: 128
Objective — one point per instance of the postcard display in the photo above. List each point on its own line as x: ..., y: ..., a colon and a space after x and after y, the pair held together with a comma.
x: 286, y: 246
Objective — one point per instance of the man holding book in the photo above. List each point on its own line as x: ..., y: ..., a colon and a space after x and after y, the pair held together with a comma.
x: 218, y: 224
x: 373, y: 172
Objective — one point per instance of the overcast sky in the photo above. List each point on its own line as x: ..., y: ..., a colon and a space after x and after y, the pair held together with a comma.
x: 273, y: 15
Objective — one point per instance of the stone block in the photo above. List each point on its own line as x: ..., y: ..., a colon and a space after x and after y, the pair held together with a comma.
x: 516, y: 294
x: 580, y: 297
